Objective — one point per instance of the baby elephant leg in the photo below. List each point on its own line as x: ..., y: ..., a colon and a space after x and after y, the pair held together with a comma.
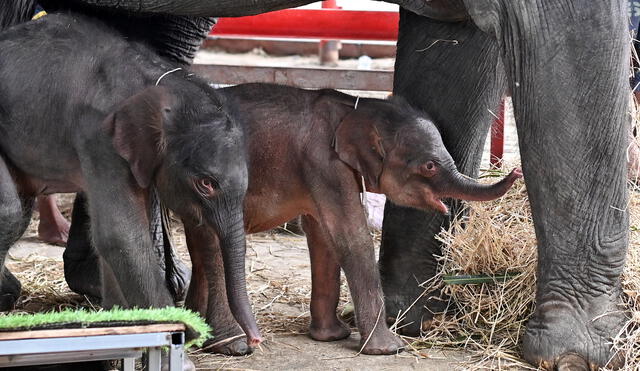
x: 345, y: 226
x: 207, y: 294
x: 15, y: 214
x: 325, y: 285
x: 83, y: 266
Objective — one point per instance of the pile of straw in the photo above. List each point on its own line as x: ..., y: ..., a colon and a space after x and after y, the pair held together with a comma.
x: 496, y: 240
x: 627, y: 343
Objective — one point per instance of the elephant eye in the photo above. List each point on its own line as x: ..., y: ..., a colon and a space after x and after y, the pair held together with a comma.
x: 205, y: 186
x: 430, y: 165
x: 428, y: 169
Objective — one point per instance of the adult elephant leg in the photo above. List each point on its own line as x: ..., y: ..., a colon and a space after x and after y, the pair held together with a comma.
x: 452, y: 71
x: 15, y: 214
x: 567, y: 63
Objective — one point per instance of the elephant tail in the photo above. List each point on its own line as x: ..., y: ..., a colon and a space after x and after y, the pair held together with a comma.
x: 16, y: 11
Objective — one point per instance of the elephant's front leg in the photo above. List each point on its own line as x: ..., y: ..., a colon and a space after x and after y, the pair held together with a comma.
x: 452, y: 72
x: 83, y: 267
x: 344, y: 226
x: 120, y: 232
x: 325, y: 285
x: 207, y: 293
x: 567, y: 64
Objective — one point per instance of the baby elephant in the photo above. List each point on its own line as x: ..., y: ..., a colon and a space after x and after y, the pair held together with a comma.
x: 114, y: 120
x: 310, y: 154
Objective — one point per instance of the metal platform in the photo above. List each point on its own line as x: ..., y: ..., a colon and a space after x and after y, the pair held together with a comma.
x: 38, y: 347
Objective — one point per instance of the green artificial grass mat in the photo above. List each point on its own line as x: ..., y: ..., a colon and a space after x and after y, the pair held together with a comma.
x: 196, y: 334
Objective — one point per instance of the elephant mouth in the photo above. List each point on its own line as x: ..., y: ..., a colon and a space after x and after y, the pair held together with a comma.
x: 435, y: 203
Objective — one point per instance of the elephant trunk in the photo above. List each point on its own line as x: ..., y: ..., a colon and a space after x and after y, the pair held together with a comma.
x: 233, y: 245
x: 464, y: 188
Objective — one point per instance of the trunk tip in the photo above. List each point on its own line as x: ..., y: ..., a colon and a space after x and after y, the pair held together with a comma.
x: 516, y: 173
x: 254, y: 340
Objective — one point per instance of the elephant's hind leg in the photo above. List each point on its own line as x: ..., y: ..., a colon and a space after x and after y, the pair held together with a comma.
x: 325, y: 282
x: 15, y: 214
x: 82, y: 269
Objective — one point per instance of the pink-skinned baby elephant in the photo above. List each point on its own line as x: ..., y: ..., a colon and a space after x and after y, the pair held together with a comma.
x: 310, y: 152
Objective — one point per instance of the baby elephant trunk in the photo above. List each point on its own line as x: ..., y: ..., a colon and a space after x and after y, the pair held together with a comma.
x: 464, y: 188
x: 233, y: 247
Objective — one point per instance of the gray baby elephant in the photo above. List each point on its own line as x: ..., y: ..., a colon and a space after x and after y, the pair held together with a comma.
x: 84, y: 110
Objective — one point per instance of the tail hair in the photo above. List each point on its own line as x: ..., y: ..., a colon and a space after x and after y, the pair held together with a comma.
x: 13, y: 12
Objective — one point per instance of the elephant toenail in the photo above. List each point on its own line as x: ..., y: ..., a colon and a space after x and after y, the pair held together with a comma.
x: 572, y: 362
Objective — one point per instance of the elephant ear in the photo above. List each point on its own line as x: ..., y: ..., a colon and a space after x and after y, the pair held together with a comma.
x: 137, y: 131
x: 359, y: 144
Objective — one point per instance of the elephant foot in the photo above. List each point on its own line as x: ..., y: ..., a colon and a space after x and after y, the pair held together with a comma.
x: 336, y: 330
x: 53, y: 228
x: 415, y: 316
x: 53, y: 232
x: 562, y: 338
x: 9, y: 290
x: 231, y: 346
x: 382, y: 342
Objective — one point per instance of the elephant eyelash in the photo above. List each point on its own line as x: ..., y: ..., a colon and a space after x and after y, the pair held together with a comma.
x: 205, y: 190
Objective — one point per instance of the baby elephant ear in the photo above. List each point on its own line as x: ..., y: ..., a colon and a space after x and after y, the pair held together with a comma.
x: 359, y: 145
x: 136, y: 129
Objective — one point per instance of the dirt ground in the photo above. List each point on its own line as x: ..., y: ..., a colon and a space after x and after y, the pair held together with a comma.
x: 278, y: 282
x: 279, y: 286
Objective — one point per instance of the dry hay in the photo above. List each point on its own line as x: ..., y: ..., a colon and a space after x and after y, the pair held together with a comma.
x: 489, y: 318
x: 628, y: 340
x: 43, y: 286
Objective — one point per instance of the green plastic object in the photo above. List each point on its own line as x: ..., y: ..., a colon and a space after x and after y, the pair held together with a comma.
x: 197, y: 331
x: 473, y: 279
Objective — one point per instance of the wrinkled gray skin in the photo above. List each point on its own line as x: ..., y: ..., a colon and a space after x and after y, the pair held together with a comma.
x: 113, y: 141
x: 565, y: 63
x: 82, y: 264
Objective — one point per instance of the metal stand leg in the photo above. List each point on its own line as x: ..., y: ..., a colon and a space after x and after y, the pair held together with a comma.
x: 129, y: 364
x: 153, y: 359
x: 176, y: 352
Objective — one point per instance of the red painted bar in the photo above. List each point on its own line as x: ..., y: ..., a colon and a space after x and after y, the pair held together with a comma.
x: 330, y: 4
x: 313, y: 24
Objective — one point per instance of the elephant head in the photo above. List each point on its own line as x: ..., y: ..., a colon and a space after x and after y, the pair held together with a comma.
x: 400, y: 153
x: 181, y: 139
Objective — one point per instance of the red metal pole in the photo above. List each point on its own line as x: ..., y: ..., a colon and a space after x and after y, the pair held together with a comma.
x: 330, y: 4
x: 329, y: 50
x: 497, y: 138
x: 323, y: 24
